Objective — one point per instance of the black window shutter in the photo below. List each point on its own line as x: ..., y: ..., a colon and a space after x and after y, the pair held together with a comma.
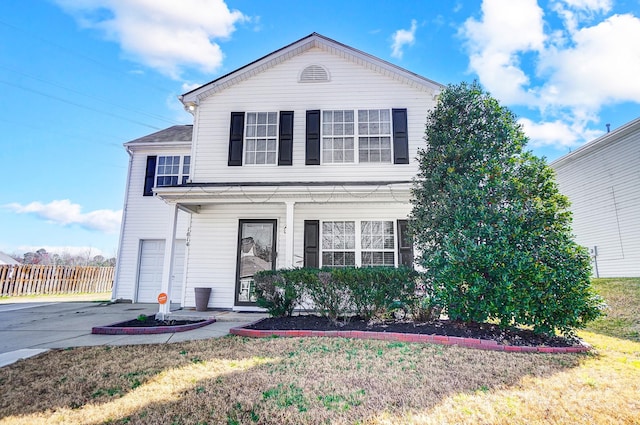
x: 400, y: 137
x: 285, y: 148
x: 405, y: 244
x: 235, y: 138
x: 312, y: 243
x: 150, y: 176
x: 313, y: 138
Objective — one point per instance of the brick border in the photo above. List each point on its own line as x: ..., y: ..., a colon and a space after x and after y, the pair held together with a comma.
x: 114, y: 329
x: 478, y: 344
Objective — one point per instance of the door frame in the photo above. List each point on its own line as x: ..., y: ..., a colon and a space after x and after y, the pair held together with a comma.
x: 274, y: 244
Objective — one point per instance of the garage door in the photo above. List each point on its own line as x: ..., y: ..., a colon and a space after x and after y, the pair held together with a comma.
x: 150, y: 271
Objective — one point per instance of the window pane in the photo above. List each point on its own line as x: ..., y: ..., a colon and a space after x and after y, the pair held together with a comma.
x: 348, y: 116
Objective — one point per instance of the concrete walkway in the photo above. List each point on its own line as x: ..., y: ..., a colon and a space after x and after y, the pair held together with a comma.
x: 30, y: 328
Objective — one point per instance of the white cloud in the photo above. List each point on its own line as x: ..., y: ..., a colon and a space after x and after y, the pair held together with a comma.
x: 601, y: 67
x: 403, y: 38
x: 506, y: 30
x: 167, y: 35
x: 567, y: 72
x: 65, y: 213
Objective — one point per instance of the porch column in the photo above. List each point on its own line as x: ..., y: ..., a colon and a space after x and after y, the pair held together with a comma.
x: 288, y: 258
x: 167, y: 265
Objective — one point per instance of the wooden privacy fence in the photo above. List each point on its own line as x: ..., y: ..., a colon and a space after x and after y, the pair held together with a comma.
x: 29, y: 279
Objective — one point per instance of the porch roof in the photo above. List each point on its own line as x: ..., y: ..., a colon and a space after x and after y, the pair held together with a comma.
x: 191, y: 196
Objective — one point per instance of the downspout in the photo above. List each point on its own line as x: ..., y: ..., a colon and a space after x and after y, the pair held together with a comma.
x: 116, y: 278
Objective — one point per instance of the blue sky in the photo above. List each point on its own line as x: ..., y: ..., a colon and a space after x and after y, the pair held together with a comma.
x: 78, y: 78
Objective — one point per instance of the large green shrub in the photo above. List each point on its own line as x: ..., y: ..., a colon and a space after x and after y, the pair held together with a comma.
x: 492, y: 227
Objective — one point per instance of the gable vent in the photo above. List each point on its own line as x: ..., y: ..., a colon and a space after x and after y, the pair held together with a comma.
x: 314, y: 74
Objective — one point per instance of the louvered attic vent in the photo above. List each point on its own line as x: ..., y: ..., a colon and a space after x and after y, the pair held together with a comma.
x: 314, y: 74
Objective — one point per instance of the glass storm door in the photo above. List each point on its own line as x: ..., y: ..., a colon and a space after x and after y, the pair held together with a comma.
x: 256, y: 251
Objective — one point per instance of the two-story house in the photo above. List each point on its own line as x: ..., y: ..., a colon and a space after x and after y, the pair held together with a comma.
x: 304, y: 157
x: 602, y: 181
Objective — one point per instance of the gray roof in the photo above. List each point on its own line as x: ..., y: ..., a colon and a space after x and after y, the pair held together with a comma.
x: 177, y: 133
x: 6, y: 259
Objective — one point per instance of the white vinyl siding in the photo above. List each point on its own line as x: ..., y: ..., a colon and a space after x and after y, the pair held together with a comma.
x: 276, y: 89
x: 603, y: 186
x: 144, y: 218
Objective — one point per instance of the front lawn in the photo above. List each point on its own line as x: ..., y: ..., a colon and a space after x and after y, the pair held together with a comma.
x: 236, y: 380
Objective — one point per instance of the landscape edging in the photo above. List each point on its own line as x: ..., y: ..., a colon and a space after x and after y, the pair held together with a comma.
x: 113, y: 329
x: 478, y: 344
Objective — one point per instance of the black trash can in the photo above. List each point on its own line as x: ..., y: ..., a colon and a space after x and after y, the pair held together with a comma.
x: 202, y: 298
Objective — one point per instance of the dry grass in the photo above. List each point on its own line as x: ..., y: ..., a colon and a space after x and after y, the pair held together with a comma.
x: 237, y: 380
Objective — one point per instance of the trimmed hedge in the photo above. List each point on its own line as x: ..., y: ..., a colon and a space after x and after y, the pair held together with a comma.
x: 336, y: 293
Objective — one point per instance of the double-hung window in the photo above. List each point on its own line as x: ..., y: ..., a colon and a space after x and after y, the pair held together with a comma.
x: 172, y: 170
x: 374, y: 135
x: 365, y: 131
x: 338, y: 136
x: 377, y: 243
x: 261, y: 137
x: 358, y: 243
x: 338, y: 243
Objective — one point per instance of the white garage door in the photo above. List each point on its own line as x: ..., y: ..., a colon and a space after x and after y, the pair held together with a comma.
x: 150, y: 271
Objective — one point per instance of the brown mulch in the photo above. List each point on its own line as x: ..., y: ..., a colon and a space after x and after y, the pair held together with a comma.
x: 509, y: 336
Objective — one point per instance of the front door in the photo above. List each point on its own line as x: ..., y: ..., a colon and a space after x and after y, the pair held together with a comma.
x: 256, y: 251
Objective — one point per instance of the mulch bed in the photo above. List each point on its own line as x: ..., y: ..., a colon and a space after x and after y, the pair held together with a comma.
x: 485, y: 331
x: 150, y: 325
x: 151, y: 321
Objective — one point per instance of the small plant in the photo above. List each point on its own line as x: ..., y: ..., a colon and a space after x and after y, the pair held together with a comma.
x: 285, y: 396
x: 142, y: 318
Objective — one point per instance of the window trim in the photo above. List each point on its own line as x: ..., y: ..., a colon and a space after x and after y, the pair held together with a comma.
x: 246, y: 138
x: 356, y: 136
x: 358, y: 241
x: 180, y: 176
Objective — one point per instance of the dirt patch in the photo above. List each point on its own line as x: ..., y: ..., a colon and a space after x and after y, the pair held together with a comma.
x: 509, y: 336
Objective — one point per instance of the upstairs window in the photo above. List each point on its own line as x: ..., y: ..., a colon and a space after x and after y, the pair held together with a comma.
x: 172, y: 170
x: 365, y: 131
x: 261, y: 138
x: 374, y: 129
x: 338, y: 136
x: 261, y: 132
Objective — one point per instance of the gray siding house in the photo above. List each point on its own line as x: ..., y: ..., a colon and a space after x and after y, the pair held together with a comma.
x: 602, y: 181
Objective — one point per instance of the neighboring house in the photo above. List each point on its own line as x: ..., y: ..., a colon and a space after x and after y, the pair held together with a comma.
x: 602, y: 181
x: 7, y: 260
x: 304, y: 157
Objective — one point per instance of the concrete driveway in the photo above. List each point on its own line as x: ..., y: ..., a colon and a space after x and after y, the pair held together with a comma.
x: 30, y: 328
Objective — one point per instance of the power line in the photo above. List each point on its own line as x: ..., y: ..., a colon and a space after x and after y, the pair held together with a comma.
x: 72, y: 90
x: 59, y: 99
x: 101, y: 65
